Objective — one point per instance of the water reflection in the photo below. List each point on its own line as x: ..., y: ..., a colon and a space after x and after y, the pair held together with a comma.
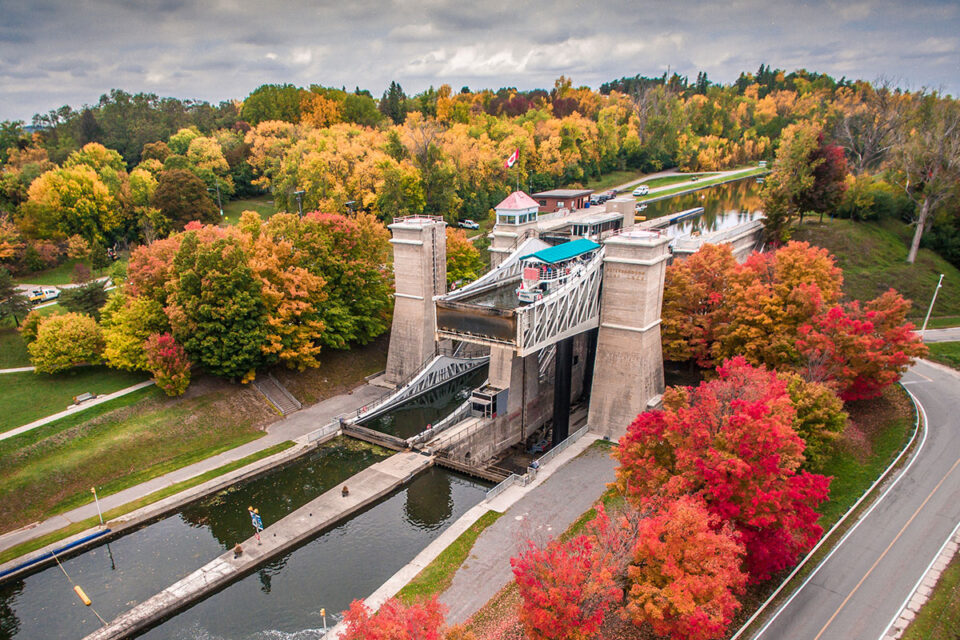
x: 724, y: 206
x: 429, y: 504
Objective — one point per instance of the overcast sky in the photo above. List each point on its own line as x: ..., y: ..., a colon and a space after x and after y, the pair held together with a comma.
x: 55, y: 52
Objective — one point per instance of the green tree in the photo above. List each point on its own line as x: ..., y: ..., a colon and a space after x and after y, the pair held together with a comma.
x: 12, y: 302
x: 393, y: 104
x: 272, y: 102
x: 820, y: 418
x: 66, y: 341
x: 463, y: 258
x: 99, y: 258
x: 181, y: 197
x: 217, y: 312
x: 791, y: 177
x: 87, y: 298
x: 68, y: 201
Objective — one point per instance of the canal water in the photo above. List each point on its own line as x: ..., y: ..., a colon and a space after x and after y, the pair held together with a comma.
x: 725, y: 206
x: 349, y: 561
x: 412, y: 417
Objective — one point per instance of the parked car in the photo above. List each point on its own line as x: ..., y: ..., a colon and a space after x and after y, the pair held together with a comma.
x: 642, y: 190
x: 596, y: 199
x: 469, y: 224
x: 44, y: 294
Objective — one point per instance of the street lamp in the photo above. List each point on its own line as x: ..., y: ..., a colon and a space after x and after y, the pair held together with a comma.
x: 299, y: 195
x: 932, y: 300
x: 219, y: 204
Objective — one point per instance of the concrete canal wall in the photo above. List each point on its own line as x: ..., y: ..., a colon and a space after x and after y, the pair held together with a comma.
x: 365, y: 487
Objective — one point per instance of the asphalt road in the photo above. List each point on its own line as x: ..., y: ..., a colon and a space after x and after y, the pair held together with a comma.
x: 860, y: 588
x: 942, y: 335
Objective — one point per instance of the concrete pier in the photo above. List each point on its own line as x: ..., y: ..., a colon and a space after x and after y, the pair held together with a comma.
x: 365, y: 487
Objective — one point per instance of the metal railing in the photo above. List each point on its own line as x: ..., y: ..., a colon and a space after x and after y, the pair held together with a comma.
x: 513, y: 479
x: 557, y: 450
x: 417, y: 218
x: 324, y: 431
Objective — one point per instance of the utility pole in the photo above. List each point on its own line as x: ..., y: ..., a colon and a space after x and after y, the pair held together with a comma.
x: 299, y: 195
x: 930, y: 309
x: 219, y: 204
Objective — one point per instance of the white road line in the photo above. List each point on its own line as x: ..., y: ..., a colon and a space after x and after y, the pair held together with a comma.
x: 876, y: 502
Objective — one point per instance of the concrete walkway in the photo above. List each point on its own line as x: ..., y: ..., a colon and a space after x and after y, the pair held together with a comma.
x: 951, y: 334
x: 77, y: 408
x: 540, y: 513
x: 17, y: 370
x: 294, y: 426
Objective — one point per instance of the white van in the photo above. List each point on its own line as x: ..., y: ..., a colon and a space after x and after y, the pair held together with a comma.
x: 642, y: 190
x: 44, y: 294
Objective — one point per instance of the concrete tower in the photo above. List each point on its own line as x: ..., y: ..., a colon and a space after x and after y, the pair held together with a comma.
x: 628, y: 371
x: 516, y: 221
x: 420, y: 272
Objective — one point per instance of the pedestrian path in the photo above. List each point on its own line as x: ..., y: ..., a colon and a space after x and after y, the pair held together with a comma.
x: 74, y: 409
x: 17, y: 370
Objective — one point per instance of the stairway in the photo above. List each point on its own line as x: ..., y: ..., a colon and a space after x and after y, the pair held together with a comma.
x: 276, y: 394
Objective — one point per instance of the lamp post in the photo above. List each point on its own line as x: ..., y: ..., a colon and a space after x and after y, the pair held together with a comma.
x: 930, y: 309
x: 93, y: 490
x: 219, y: 204
x: 299, y: 195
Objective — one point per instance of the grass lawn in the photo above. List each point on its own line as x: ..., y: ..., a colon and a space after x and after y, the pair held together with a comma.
x: 61, y: 274
x: 438, y: 575
x: 943, y: 322
x: 947, y: 353
x: 939, y: 619
x: 13, y: 350
x: 612, y: 179
x: 873, y: 258
x: 122, y: 443
x: 30, y: 396
x: 83, y: 525
x: 261, y: 204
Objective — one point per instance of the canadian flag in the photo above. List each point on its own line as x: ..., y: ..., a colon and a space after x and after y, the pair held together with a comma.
x: 512, y: 160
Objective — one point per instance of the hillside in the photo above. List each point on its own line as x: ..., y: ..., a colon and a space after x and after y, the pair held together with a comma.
x: 873, y: 258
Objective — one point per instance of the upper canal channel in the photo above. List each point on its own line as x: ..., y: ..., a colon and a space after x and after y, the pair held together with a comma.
x: 724, y: 206
x: 283, y: 598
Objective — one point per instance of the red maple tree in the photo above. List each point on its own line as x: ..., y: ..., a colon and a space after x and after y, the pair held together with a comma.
x: 730, y: 441
x: 395, y: 621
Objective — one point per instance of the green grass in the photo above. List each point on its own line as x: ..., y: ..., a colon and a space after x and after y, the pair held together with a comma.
x: 873, y: 258
x: 947, y: 353
x: 705, y: 183
x: 939, y: 618
x: 61, y: 274
x: 612, y: 179
x: 943, y: 322
x: 262, y: 205
x: 13, y: 350
x: 668, y: 180
x: 437, y: 576
x: 51, y: 469
x: 30, y: 396
x: 77, y: 527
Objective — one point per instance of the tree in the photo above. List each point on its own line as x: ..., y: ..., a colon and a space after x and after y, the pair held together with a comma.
x: 565, y: 589
x: 168, y: 363
x: 10, y: 242
x: 790, y: 177
x: 770, y: 297
x: 394, y: 621
x: 12, y: 302
x: 869, y: 119
x: 829, y: 180
x: 927, y: 158
x: 99, y: 258
x: 31, y: 325
x: 217, y: 311
x: 695, y: 291
x: 85, y: 298
x: 182, y: 197
x: 862, y: 351
x: 272, y: 102
x: 730, y: 442
x: 127, y: 322
x: 686, y: 573
x: 463, y: 258
x: 392, y: 104
x: 819, y: 420
x: 78, y: 247
x: 294, y: 296
x: 70, y: 200
x: 65, y: 341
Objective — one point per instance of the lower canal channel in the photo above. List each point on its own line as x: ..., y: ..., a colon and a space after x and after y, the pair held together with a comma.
x: 283, y: 598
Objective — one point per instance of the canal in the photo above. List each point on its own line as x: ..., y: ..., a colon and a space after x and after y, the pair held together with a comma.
x: 725, y: 206
x: 283, y: 598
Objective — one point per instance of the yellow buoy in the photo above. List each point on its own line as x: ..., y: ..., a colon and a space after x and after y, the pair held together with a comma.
x: 83, y: 596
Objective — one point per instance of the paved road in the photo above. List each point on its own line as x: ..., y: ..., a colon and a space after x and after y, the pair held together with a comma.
x: 942, y: 335
x: 544, y: 513
x: 860, y: 588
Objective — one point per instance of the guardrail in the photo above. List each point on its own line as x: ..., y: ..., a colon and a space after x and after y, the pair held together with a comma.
x: 324, y: 431
x: 553, y: 453
x: 523, y: 480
